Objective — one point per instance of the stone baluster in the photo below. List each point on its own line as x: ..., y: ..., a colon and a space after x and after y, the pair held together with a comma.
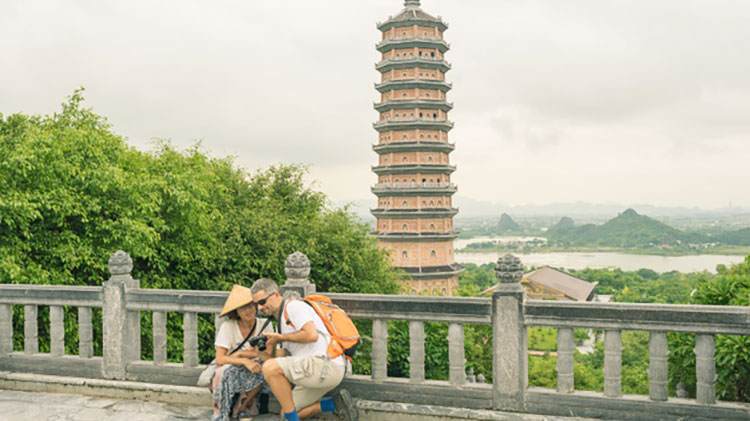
x: 705, y: 369
x: 121, y: 339
x: 456, y: 360
x: 30, y: 329
x: 190, y: 339
x: 612, y: 363
x: 657, y: 370
x: 159, y: 320
x: 297, y: 270
x: 416, y: 351
x: 6, y: 328
x: 565, y: 347
x: 509, y: 359
x: 85, y: 333
x: 379, y: 358
x: 56, y: 331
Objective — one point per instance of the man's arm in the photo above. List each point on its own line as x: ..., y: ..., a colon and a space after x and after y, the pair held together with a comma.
x: 305, y: 335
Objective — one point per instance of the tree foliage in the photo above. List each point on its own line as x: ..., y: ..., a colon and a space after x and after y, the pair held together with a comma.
x: 73, y: 192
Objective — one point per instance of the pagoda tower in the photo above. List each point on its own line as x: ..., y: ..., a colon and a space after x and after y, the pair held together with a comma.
x: 415, y: 212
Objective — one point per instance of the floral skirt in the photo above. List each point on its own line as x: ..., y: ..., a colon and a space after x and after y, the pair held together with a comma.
x: 230, y: 381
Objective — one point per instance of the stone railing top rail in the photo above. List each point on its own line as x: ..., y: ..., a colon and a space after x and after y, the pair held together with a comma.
x: 415, y: 308
x: 176, y: 300
x: 727, y: 320
x: 79, y: 296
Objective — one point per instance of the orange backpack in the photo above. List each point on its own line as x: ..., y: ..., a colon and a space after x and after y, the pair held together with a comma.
x: 344, y: 335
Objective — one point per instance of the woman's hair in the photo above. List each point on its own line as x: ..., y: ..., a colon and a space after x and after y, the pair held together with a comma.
x: 232, y: 315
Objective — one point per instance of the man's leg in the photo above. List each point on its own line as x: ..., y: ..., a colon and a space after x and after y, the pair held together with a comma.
x: 279, y: 385
x: 310, y: 411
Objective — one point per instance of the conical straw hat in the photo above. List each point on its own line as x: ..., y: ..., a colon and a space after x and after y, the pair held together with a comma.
x: 239, y: 297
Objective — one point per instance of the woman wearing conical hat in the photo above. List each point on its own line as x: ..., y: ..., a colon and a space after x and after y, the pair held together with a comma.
x: 238, y: 379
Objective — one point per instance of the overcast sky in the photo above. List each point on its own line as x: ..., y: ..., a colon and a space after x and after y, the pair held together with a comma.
x: 555, y: 101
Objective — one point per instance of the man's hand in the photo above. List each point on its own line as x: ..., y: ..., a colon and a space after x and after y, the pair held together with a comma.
x: 273, y: 338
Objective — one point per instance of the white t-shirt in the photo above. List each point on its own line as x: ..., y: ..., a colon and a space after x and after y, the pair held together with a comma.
x: 229, y: 335
x: 300, y: 313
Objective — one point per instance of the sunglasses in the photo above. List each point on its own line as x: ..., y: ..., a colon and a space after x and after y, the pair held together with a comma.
x: 263, y: 301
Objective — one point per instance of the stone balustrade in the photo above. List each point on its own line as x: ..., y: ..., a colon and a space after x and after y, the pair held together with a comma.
x: 120, y: 301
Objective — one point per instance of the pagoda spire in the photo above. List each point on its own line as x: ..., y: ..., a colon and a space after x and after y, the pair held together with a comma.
x: 411, y: 3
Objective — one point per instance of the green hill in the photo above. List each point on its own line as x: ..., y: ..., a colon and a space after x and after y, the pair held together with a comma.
x: 562, y: 227
x: 507, y: 225
x: 628, y: 229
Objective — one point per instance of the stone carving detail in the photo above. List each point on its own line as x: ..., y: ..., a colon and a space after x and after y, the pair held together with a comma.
x: 297, y: 266
x: 508, y: 269
x: 120, y: 263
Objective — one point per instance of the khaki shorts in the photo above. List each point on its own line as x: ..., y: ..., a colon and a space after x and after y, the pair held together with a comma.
x: 312, y: 376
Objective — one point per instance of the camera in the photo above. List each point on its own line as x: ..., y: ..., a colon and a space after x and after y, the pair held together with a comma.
x: 259, y: 341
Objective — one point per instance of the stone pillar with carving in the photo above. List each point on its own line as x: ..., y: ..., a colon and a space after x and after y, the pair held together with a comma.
x: 509, y: 359
x: 122, y: 337
x: 297, y: 270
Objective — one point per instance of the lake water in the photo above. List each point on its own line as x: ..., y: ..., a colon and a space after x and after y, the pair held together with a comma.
x: 628, y: 262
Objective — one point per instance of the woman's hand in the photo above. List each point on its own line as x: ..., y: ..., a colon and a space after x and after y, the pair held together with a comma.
x: 252, y: 366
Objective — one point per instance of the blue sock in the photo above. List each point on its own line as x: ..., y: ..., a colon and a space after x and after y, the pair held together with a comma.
x: 291, y: 416
x: 327, y: 405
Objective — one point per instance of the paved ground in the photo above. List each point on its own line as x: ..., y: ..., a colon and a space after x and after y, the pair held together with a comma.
x: 15, y: 406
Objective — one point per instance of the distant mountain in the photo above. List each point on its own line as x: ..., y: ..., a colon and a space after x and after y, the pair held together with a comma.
x: 561, y: 228
x: 506, y: 225
x: 628, y: 229
x: 469, y: 207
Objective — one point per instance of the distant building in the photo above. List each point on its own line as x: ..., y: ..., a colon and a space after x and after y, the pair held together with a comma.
x: 547, y: 283
x: 414, y: 215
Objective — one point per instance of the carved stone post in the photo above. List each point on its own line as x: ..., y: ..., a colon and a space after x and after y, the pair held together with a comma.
x: 56, y: 331
x: 297, y: 269
x: 657, y: 370
x: 6, y: 328
x: 612, y: 363
x: 456, y: 359
x: 379, y: 367
x: 85, y: 333
x: 509, y: 359
x: 30, y: 329
x: 705, y: 369
x: 565, y: 360
x: 122, y: 338
x: 416, y: 351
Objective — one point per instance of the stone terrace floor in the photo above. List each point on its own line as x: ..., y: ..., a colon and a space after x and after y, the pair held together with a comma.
x: 17, y: 406
x: 37, y: 406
